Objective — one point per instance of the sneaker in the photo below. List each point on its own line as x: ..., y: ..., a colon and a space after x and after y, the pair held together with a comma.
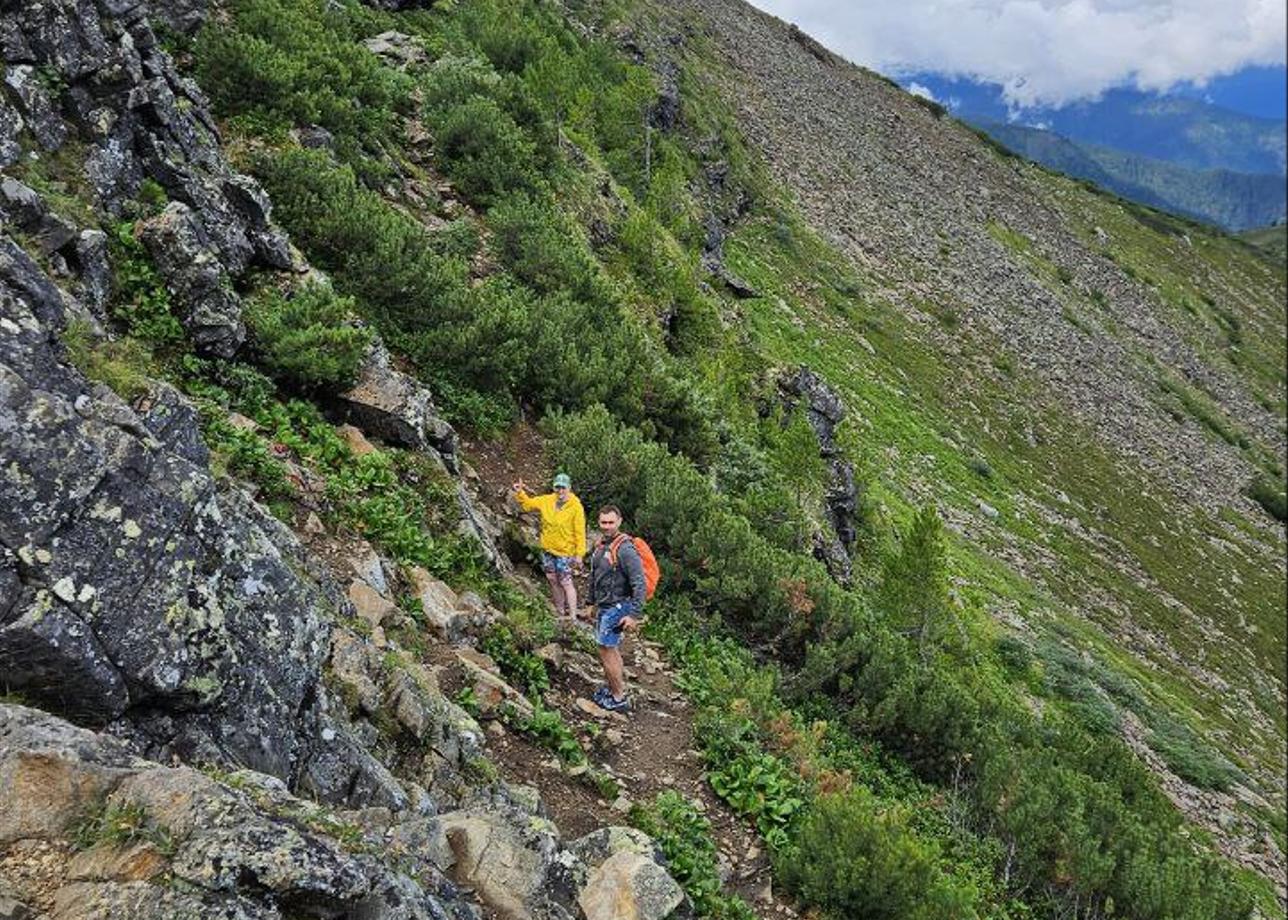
x: 612, y: 704
x: 601, y: 694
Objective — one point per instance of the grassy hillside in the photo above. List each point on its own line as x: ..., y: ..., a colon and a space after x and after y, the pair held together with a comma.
x: 1271, y: 240
x: 1055, y: 404
x: 1235, y: 201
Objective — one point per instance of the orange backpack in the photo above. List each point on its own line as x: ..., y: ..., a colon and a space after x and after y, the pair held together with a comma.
x: 651, y: 572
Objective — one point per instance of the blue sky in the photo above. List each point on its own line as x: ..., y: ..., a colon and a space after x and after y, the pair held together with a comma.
x: 1260, y: 91
x: 1054, y: 52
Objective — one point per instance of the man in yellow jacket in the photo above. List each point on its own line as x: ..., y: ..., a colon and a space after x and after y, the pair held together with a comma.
x: 563, y: 539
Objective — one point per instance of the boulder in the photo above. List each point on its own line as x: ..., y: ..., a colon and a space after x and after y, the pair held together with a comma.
x: 182, y: 16
x: 629, y: 886
x: 11, y: 127
x: 93, y: 272
x: 392, y: 406
x: 40, y: 110
x: 491, y: 693
x: 370, y: 605
x: 452, y: 737
x: 397, y: 48
x: 512, y: 860
x: 185, y: 257
x: 24, y: 209
x: 140, y: 583
x: 355, y: 666
x: 439, y: 605
x: 227, y: 852
x: 356, y: 440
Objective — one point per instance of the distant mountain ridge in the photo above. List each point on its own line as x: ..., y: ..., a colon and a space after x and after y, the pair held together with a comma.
x: 1185, y: 131
x: 1233, y: 200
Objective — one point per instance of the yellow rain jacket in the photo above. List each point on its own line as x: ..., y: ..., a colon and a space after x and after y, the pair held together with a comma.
x: 563, y: 530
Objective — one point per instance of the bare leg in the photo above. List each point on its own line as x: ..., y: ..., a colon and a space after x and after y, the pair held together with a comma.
x: 611, y: 659
x: 556, y: 592
x: 570, y: 594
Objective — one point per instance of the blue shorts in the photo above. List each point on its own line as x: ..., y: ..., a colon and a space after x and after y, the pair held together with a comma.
x: 608, y: 633
x: 560, y: 565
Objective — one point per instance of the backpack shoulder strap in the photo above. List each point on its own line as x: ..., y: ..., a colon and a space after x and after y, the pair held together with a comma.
x: 615, y: 546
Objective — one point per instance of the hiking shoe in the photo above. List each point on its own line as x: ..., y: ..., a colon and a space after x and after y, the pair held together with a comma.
x: 601, y: 694
x: 612, y: 704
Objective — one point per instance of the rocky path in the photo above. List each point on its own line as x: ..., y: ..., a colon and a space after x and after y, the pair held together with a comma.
x: 648, y: 751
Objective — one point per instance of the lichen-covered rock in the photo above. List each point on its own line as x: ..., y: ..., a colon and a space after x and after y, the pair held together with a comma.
x: 139, y: 117
x: 209, y: 308
x: 397, y: 408
x: 42, y: 117
x: 824, y: 410
x: 22, y: 208
x: 246, y: 850
x: 11, y: 125
x: 141, y: 584
x: 93, y: 272
x: 513, y: 861
x: 629, y: 886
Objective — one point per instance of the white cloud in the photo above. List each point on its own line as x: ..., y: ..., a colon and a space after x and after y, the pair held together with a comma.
x: 918, y: 89
x: 1050, y: 52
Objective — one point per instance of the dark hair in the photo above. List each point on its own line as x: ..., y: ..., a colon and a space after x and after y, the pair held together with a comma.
x: 611, y: 509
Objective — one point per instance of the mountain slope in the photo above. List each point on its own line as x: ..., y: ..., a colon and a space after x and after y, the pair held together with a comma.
x: 944, y: 458
x: 1122, y: 373
x: 1235, y: 201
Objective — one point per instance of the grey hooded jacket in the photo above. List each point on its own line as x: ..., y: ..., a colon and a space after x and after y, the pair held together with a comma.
x: 612, y: 583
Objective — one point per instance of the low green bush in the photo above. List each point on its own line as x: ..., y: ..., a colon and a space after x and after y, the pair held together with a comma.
x: 684, y: 835
x: 485, y: 153
x: 285, y: 63
x: 853, y: 857
x: 1269, y: 494
x: 308, y: 338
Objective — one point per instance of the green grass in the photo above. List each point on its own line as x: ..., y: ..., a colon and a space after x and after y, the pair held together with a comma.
x: 119, y: 824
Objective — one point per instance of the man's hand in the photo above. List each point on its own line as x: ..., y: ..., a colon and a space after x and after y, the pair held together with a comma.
x: 519, y: 486
x: 630, y: 624
x: 588, y: 613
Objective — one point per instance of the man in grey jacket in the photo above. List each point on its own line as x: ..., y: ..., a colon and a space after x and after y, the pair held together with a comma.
x: 617, y: 589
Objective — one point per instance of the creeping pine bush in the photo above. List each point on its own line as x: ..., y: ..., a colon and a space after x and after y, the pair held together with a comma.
x: 307, y: 338
x: 485, y: 153
x: 280, y: 63
x: 1269, y: 494
x: 853, y: 857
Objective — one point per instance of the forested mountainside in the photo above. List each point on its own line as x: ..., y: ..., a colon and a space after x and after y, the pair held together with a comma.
x: 1232, y: 200
x: 966, y: 481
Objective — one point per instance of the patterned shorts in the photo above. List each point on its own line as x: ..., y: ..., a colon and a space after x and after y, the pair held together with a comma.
x: 561, y: 565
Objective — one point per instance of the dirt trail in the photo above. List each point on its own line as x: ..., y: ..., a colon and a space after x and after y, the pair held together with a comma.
x: 648, y: 751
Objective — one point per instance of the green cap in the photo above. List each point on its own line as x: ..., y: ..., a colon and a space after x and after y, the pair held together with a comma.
x: 563, y: 482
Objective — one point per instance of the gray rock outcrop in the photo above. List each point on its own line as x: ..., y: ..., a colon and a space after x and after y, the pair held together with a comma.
x: 140, y: 593
x: 242, y: 847
x: 824, y: 411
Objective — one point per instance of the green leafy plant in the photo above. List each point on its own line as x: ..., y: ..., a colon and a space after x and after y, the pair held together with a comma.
x: 139, y: 297
x: 685, y: 838
x: 763, y: 788
x: 548, y: 728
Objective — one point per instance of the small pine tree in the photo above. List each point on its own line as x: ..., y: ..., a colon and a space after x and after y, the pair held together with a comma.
x: 914, y: 587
